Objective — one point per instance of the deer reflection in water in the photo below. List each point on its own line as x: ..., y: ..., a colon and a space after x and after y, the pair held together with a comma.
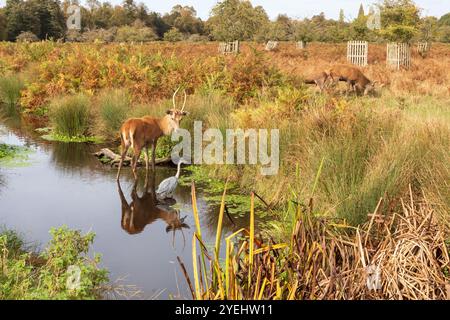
x: 145, y: 210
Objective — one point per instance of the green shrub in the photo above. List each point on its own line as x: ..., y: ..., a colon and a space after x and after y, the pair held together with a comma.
x: 197, y: 38
x: 133, y: 34
x: 173, y: 35
x: 70, y: 115
x: 28, y: 275
x: 101, y: 35
x: 27, y: 37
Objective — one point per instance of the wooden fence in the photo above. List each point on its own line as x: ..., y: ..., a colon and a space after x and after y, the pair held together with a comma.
x: 271, y: 45
x: 398, y: 55
x: 357, y: 52
x: 229, y: 47
x: 423, y: 48
x: 301, y: 44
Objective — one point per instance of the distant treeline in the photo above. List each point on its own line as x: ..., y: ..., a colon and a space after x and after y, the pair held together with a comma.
x: 32, y: 20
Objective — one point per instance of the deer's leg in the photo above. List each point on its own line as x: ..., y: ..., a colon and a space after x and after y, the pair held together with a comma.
x: 319, y: 84
x: 124, y: 148
x: 137, y: 154
x: 146, y: 153
x: 349, y: 86
x: 154, y: 154
x: 146, y: 166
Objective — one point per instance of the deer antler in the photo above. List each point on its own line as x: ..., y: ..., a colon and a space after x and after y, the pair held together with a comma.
x: 173, y: 98
x: 184, y: 103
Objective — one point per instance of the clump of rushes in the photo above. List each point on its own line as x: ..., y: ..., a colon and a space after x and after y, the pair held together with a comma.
x: 10, y: 92
x: 70, y: 115
x: 403, y: 256
x: 114, y: 106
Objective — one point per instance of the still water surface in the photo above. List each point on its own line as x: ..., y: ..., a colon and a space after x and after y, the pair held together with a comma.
x: 64, y: 184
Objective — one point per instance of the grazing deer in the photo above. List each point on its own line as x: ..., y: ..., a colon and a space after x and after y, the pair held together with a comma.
x: 140, y: 133
x: 319, y: 80
x: 355, y: 79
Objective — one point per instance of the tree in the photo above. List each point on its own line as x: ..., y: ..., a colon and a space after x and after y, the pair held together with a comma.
x: 136, y: 33
x: 51, y: 19
x: 428, y: 29
x: 130, y: 11
x: 303, y: 31
x: 184, y: 19
x: 20, y: 17
x: 400, y: 19
x: 361, y: 12
x: 236, y: 20
x: 98, y: 16
x: 281, y: 29
x: 445, y: 20
x: 443, y: 32
x: 358, y: 27
x: 44, y: 18
x: 3, y: 33
x: 157, y: 23
x: 341, y: 16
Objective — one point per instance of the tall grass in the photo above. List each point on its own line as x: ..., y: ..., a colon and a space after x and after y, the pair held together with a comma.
x: 114, y: 105
x: 366, y: 148
x: 10, y: 93
x: 369, y: 151
x: 70, y: 115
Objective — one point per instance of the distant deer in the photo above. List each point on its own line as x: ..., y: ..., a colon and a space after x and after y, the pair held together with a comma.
x: 355, y: 79
x: 141, y: 133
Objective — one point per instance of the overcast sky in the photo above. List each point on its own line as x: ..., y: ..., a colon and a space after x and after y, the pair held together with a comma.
x: 293, y: 8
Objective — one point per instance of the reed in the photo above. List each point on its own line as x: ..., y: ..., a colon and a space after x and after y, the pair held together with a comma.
x: 10, y: 92
x: 402, y: 256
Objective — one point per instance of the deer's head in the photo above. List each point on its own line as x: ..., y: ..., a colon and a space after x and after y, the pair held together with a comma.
x: 373, y: 87
x: 175, y: 115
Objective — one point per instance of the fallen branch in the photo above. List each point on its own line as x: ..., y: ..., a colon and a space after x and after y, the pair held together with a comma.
x: 108, y: 156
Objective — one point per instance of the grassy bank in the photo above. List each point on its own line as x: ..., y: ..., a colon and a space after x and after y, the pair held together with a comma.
x: 26, y: 273
x: 346, y: 152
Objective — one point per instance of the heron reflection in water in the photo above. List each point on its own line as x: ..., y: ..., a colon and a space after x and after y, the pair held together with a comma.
x: 144, y: 210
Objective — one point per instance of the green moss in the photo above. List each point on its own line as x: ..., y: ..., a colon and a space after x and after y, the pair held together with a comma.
x: 14, y: 156
x: 237, y: 204
x: 77, y: 139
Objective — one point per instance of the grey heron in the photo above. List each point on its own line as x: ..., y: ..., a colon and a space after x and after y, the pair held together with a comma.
x: 168, y: 186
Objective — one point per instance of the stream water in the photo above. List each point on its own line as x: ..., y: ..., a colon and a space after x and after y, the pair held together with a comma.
x: 64, y: 184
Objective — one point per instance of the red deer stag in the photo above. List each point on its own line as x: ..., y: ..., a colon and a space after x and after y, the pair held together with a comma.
x: 141, y: 133
x: 355, y: 79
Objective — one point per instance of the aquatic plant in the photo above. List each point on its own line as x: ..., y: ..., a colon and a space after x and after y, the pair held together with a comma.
x: 13, y: 156
x: 67, y: 139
